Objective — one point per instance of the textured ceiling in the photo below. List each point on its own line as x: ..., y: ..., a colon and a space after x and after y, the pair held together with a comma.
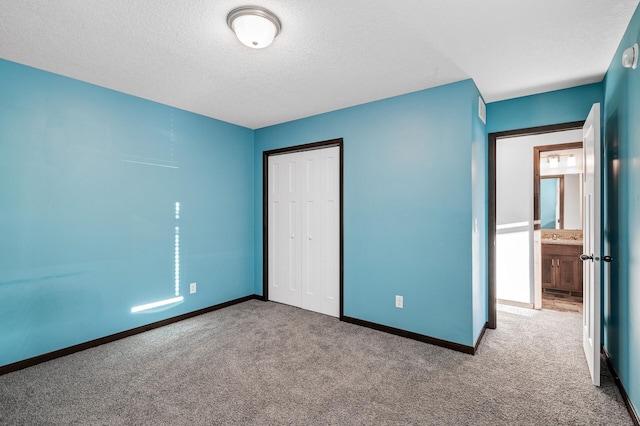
x: 330, y: 54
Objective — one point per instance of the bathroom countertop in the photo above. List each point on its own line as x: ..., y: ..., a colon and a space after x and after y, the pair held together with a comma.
x: 561, y: 242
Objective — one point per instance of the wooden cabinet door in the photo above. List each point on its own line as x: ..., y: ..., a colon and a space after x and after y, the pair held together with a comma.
x: 548, y: 270
x: 569, y: 273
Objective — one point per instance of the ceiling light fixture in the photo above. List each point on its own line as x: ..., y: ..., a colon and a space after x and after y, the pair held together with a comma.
x: 255, y: 26
x: 553, y: 161
x: 571, y: 161
x: 630, y: 57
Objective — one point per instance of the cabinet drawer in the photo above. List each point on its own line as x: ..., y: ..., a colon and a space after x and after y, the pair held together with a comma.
x: 561, y: 250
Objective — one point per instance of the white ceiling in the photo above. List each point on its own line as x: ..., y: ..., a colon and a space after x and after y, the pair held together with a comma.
x: 330, y: 54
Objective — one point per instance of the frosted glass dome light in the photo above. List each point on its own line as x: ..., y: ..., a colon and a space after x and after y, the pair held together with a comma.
x: 255, y: 27
x: 630, y: 57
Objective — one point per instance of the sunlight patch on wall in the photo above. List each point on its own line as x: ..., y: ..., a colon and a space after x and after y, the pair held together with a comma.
x: 157, y: 304
x: 177, y: 252
x: 176, y: 258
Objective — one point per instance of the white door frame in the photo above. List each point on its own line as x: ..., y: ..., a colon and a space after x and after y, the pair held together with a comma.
x: 265, y: 211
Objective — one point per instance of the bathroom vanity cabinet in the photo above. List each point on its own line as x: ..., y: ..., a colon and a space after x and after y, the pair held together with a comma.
x: 562, y: 267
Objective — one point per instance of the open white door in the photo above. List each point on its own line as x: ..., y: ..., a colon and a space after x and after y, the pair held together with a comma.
x: 591, y: 244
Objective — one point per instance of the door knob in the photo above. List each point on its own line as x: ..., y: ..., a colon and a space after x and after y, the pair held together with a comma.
x: 584, y: 257
x: 607, y: 258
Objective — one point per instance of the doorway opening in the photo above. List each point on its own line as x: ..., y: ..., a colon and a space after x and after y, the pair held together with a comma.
x: 558, y: 213
x: 539, y: 220
x: 591, y: 258
x: 517, y: 229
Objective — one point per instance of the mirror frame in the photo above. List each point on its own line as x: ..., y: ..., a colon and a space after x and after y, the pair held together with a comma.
x: 536, y: 174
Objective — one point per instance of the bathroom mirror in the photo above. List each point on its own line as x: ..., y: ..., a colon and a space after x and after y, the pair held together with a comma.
x: 552, y: 202
x: 558, y: 186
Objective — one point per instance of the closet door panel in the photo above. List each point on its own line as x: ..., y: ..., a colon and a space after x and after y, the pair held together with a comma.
x: 284, y: 269
x: 331, y: 232
x: 311, y: 295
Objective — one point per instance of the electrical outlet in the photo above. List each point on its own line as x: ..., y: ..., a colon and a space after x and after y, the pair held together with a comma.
x: 192, y: 288
x: 399, y: 301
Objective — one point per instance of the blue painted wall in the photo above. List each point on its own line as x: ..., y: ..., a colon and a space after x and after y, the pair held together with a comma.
x: 622, y: 216
x: 560, y: 106
x: 407, y: 207
x: 89, y: 179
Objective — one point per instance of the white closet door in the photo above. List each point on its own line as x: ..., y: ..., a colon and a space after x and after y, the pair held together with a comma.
x: 284, y: 229
x: 304, y: 229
